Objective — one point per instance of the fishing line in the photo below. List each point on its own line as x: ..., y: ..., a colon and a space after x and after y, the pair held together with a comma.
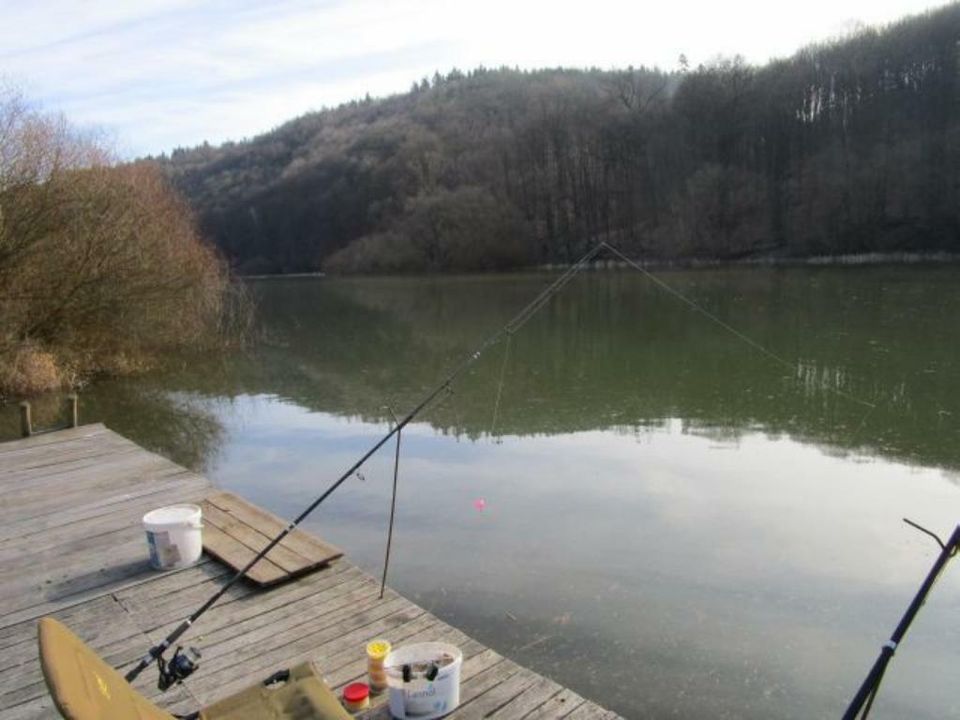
x: 393, y: 508
x: 503, y: 370
x: 729, y: 328
x: 521, y: 319
x: 517, y: 321
x: 794, y: 367
x: 863, y: 422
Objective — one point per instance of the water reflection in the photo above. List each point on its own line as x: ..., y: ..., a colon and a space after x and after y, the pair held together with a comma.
x: 662, y: 572
x: 611, y: 352
x: 673, y: 524
x: 151, y: 411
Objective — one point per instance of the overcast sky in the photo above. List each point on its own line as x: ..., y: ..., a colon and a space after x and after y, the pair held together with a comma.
x: 157, y: 74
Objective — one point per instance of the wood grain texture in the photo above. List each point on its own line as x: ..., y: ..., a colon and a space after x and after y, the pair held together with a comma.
x: 253, y: 527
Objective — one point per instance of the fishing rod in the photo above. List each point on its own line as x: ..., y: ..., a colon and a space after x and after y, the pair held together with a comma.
x: 182, y: 665
x: 865, y: 696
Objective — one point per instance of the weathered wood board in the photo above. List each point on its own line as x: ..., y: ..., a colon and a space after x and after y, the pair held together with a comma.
x: 235, y: 530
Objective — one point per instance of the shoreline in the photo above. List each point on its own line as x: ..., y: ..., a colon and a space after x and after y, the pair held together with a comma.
x: 845, y: 260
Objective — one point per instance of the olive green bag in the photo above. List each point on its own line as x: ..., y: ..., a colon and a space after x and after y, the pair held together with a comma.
x: 84, y: 687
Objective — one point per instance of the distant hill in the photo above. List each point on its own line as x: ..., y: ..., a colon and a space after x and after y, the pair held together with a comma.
x: 846, y: 147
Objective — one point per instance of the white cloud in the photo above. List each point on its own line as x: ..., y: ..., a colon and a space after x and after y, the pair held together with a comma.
x: 161, y: 73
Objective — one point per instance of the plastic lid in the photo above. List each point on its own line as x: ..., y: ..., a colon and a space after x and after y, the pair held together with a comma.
x: 173, y: 514
x: 378, y: 649
x: 356, y: 692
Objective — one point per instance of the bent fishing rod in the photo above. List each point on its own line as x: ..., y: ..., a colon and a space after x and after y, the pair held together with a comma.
x: 155, y: 654
x: 865, y: 696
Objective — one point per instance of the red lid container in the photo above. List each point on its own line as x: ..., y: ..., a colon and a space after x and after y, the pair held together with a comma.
x: 356, y: 692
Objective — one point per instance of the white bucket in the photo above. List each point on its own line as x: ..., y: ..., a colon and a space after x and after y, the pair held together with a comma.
x: 421, y: 698
x: 174, y: 536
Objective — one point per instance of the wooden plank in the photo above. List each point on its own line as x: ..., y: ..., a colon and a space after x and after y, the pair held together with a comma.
x: 39, y: 441
x: 121, y: 516
x: 240, y: 677
x: 176, y: 582
x: 237, y: 606
x: 347, y: 628
x: 101, y: 623
x: 119, y: 470
x: 13, y: 461
x: 232, y: 628
x: 249, y: 536
x: 236, y: 555
x: 24, y: 681
x: 556, y: 707
x: 36, y: 606
x: 299, y: 541
x: 53, y: 576
x: 66, y: 551
x: 221, y: 658
x: 174, y: 484
x: 531, y: 698
x: 63, y: 583
x: 81, y: 564
x: 89, y: 612
x: 100, y: 628
x: 164, y: 612
x: 499, y: 695
x: 53, y: 501
x: 84, y: 456
x: 40, y: 708
x: 14, y: 464
x: 591, y: 711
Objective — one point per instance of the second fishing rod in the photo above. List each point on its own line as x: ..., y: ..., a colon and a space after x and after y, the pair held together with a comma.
x: 155, y: 654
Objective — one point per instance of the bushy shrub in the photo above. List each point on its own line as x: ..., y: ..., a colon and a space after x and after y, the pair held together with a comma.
x: 101, y: 268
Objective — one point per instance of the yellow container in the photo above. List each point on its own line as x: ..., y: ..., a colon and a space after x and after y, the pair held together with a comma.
x: 377, y: 652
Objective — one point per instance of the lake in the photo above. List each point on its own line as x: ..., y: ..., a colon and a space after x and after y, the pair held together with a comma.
x: 626, y: 497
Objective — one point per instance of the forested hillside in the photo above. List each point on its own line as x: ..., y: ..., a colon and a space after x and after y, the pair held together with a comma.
x: 846, y: 147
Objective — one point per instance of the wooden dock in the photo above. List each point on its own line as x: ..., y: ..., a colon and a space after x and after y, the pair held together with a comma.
x: 71, y: 546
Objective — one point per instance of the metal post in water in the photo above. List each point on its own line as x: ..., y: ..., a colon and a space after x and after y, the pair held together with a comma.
x: 26, y: 423
x: 393, y: 509
x: 73, y: 408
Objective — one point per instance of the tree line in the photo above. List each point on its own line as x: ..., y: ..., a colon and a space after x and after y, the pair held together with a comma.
x: 848, y: 146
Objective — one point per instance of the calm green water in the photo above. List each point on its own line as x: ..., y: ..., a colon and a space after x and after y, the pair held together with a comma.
x: 673, y: 524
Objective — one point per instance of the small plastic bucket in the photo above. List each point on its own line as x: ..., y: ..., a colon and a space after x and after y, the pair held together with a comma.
x: 421, y: 698
x: 174, y: 536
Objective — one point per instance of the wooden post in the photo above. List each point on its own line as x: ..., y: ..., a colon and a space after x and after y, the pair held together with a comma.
x: 26, y: 425
x: 73, y: 407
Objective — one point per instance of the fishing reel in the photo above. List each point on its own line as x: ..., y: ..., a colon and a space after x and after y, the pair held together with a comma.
x: 181, y: 666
